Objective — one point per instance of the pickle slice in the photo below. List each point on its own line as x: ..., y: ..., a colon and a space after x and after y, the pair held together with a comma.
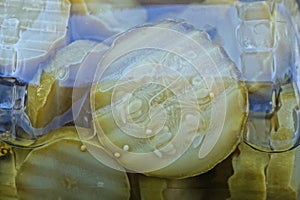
x: 79, y: 7
x: 249, y: 180
x: 115, y: 15
x: 282, y: 169
x: 162, y: 131
x: 102, y: 19
x: 260, y: 175
x: 211, y: 185
x: 281, y: 179
x: 50, y: 93
x: 151, y: 187
x: 29, y: 31
x: 285, y: 122
x: 64, y: 169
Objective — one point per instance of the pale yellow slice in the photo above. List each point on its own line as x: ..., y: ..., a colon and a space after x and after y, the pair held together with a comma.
x: 79, y: 7
x: 260, y: 175
x: 50, y: 93
x: 249, y: 181
x: 281, y: 179
x: 65, y: 169
x: 115, y: 15
x: 211, y: 185
x: 284, y: 122
x: 282, y: 171
x: 11, y: 158
x: 156, y: 149
x: 99, y: 20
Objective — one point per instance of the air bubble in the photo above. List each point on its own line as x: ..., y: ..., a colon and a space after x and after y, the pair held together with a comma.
x: 149, y: 131
x: 83, y: 148
x: 117, y: 155
x: 125, y: 147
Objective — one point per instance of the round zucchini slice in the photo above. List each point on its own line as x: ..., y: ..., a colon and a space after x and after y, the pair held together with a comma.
x: 167, y: 102
x: 64, y: 169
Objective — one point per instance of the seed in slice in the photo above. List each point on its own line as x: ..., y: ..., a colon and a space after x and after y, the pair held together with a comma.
x: 50, y: 92
x: 63, y: 169
x: 29, y: 32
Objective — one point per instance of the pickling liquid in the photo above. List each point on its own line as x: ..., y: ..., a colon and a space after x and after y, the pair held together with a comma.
x: 260, y: 40
x: 267, y: 63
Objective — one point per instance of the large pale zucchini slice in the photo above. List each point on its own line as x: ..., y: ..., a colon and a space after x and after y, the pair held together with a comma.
x: 194, y: 136
x: 64, y: 169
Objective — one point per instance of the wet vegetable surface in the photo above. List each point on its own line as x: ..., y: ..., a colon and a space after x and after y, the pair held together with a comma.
x: 149, y: 99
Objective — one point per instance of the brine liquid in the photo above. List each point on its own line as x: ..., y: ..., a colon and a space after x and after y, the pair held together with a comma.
x: 15, y: 125
x: 259, y: 37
